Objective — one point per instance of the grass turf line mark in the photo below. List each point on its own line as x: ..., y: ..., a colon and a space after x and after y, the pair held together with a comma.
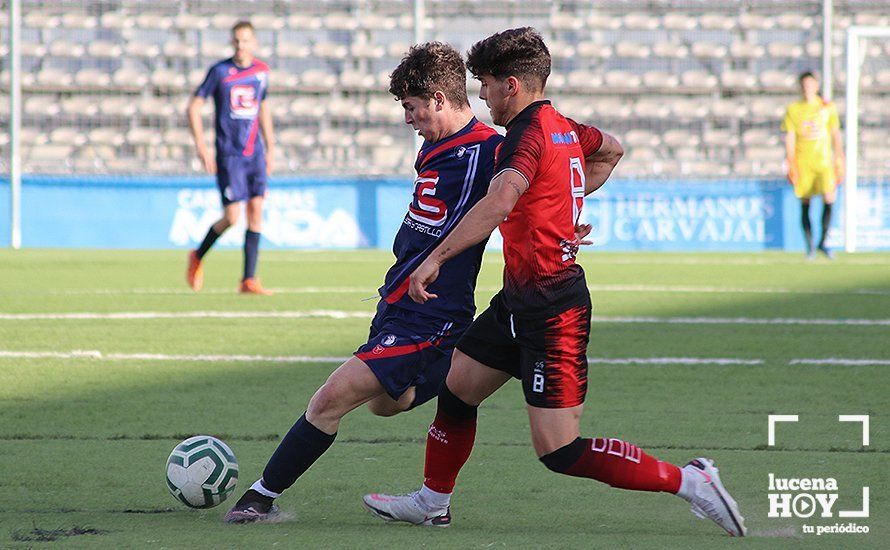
x: 99, y: 356
x: 841, y: 361
x: 420, y: 440
x: 341, y: 314
x: 642, y: 288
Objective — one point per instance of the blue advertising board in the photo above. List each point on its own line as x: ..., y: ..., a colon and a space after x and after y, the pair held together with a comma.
x: 343, y: 213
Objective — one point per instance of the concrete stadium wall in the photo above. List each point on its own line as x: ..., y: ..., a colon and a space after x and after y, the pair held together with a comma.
x: 313, y: 212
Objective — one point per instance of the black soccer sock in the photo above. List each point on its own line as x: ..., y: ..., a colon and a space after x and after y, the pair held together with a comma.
x: 299, y: 449
x: 805, y: 222
x: 209, y: 239
x: 826, y: 224
x: 251, y: 252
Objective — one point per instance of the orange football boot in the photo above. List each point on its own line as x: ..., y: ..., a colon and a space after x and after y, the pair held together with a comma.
x: 254, y: 286
x: 194, y: 275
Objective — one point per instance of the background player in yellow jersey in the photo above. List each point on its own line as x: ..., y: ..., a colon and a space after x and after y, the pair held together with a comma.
x: 814, y: 155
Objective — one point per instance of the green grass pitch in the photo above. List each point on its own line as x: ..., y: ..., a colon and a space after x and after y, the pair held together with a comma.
x: 83, y: 439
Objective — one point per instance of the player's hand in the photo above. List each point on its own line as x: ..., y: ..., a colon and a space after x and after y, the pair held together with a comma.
x: 270, y: 163
x: 425, y: 274
x: 207, y: 161
x: 840, y: 170
x: 582, y: 230
x: 793, y: 172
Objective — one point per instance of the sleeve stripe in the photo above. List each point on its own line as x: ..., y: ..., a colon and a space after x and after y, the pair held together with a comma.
x: 527, y: 183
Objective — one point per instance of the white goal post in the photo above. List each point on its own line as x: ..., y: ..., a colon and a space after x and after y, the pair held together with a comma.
x: 855, y: 36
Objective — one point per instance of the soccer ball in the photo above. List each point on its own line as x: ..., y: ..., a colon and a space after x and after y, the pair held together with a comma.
x: 202, y: 472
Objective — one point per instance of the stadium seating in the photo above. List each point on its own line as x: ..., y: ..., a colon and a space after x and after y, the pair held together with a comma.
x: 685, y: 90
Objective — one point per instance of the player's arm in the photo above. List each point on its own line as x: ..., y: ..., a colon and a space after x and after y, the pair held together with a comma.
x: 196, y: 125
x: 840, y: 160
x: 475, y: 227
x: 268, y: 134
x: 790, y: 144
x: 599, y: 166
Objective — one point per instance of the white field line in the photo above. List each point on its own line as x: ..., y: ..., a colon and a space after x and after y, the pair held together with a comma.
x: 98, y: 355
x: 141, y: 315
x: 683, y: 289
x: 790, y: 260
x: 603, y: 259
x: 672, y: 361
x: 340, y: 314
x: 741, y: 321
x: 835, y: 361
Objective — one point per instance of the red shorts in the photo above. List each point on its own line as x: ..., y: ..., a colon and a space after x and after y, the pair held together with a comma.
x: 548, y: 354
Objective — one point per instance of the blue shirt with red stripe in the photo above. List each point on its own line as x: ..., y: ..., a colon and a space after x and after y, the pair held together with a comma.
x: 452, y: 175
x: 237, y: 93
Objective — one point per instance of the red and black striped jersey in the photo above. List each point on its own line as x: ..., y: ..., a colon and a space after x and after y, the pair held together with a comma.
x: 547, y: 150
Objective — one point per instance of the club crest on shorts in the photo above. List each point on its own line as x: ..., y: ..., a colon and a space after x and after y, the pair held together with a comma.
x: 389, y: 340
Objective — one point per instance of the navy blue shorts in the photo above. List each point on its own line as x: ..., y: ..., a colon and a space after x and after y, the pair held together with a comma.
x: 240, y: 178
x: 406, y: 348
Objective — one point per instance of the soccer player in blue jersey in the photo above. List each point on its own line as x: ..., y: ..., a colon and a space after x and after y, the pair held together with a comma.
x: 408, y: 352
x: 243, y: 159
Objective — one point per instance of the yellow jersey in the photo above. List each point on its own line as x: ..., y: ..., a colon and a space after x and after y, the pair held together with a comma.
x: 812, y: 124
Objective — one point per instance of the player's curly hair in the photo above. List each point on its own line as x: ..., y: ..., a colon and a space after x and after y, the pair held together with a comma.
x: 515, y: 52
x: 431, y: 67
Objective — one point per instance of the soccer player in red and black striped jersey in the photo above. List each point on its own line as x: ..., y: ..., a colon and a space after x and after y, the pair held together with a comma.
x: 408, y: 352
x: 537, y: 328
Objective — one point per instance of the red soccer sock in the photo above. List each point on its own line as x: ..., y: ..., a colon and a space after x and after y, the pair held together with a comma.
x: 615, y: 462
x: 449, y: 442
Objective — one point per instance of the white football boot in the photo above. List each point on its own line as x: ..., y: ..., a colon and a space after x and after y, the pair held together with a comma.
x: 405, y: 508
x: 701, y: 486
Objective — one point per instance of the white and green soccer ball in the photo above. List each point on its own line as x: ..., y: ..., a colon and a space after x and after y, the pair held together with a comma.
x: 202, y: 472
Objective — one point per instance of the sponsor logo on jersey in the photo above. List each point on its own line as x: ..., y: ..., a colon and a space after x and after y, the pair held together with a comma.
x: 426, y: 208
x: 564, y: 138
x: 243, y: 101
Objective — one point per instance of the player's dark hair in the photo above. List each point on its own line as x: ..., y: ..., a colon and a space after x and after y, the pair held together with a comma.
x: 515, y: 52
x: 244, y: 24
x: 431, y: 67
x: 806, y: 74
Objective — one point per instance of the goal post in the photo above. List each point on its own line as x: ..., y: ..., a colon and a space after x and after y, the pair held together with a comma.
x: 857, y: 37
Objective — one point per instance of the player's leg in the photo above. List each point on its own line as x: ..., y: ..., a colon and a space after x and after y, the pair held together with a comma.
x: 806, y: 225
x: 803, y: 189
x: 195, y: 271
x: 384, y: 405
x: 449, y: 442
x: 554, y: 380
x: 249, y: 282
x: 451, y: 435
x: 348, y: 387
x: 427, y: 386
x: 256, y: 192
x: 828, y: 189
x: 227, y: 180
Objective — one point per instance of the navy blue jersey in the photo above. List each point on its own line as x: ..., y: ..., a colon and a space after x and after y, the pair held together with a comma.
x: 452, y: 175
x: 237, y: 93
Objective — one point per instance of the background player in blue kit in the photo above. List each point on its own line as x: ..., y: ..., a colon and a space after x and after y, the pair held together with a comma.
x: 243, y: 159
x: 409, y: 348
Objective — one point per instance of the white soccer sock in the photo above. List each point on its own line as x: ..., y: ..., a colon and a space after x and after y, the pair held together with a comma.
x: 433, y: 500
x: 258, y: 487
